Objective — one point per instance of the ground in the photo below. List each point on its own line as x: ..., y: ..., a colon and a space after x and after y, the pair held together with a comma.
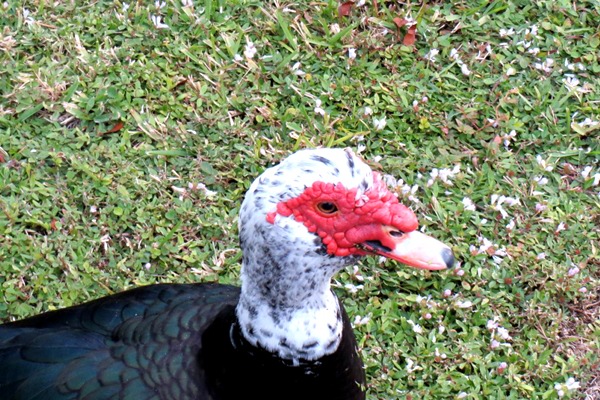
x: 129, y: 133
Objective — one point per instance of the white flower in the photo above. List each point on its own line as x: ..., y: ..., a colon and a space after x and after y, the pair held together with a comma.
x: 296, y: 69
x: 541, y: 256
x: 506, y: 32
x: 571, y: 82
x: 368, y: 111
x: 380, y: 123
x: 468, y: 204
x: 465, y: 70
x: 353, y: 288
x: 443, y: 356
x: 503, y: 333
x: 27, y: 17
x: 582, y: 289
x: 461, y: 395
x: 147, y: 265
x: 596, y: 179
x: 494, y: 344
x: 415, y: 327
x: 159, y: 4
x: 156, y: 20
x: 534, y: 51
x: 573, y: 271
x: 358, y: 320
x: 187, y: 3
x: 497, y: 199
x: 496, y: 202
x: 524, y: 43
x: 357, y: 274
x: 454, y: 54
x: 201, y: 186
x: 572, y: 384
x: 492, y: 324
x: 541, y: 180
x: 510, y: 71
x: 589, y: 122
x: 360, y: 3
x: 509, y: 137
x: 411, y: 366
x: 533, y: 30
x: 586, y: 172
x: 318, y: 109
x: 511, y: 225
x: 464, y: 304
x: 512, y: 201
x: 447, y: 293
x: 237, y: 57
x: 546, y: 66
x: 249, y: 49
x: 334, y: 28
x: 125, y: 7
x: 569, y: 385
x: 560, y: 227
x: 542, y: 163
x: 444, y: 174
x: 352, y: 53
x: 432, y: 54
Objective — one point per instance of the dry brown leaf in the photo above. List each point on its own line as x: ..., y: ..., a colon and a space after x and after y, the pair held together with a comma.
x: 345, y: 8
x: 411, y: 36
x: 116, y: 128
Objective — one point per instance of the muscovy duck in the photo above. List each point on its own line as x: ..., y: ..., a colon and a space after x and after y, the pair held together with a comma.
x: 284, y: 335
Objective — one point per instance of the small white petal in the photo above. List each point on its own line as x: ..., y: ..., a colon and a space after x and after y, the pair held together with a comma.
x: 352, y: 53
x: 380, y: 123
x: 465, y: 70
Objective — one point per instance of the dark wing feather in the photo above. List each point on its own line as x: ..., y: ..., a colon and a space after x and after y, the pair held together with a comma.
x: 139, y: 344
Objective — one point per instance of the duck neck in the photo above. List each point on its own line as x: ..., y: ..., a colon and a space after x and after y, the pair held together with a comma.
x: 286, y: 305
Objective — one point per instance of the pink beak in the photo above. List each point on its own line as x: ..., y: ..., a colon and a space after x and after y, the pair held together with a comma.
x: 414, y: 249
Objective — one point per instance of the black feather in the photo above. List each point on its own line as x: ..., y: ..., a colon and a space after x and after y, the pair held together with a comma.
x: 139, y: 344
x: 162, y: 342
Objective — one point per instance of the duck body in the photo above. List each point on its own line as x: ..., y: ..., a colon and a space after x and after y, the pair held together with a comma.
x: 162, y: 342
x: 282, y: 335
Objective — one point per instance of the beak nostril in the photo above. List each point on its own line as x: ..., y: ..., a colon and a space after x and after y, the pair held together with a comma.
x: 396, y: 233
x: 448, y: 258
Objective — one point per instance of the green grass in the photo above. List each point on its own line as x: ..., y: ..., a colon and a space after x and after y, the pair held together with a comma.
x: 87, y: 212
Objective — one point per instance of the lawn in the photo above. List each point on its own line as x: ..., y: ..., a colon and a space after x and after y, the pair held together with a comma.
x: 129, y: 133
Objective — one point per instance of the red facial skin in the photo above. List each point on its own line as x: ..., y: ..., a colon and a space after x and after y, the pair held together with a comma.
x: 356, y: 221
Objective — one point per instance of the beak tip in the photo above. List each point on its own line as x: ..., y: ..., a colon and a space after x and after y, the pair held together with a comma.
x: 448, y: 258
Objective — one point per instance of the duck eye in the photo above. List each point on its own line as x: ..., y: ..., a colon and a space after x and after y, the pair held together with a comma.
x: 327, y: 208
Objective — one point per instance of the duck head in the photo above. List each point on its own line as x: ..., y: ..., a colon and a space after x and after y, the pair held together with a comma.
x: 301, y: 222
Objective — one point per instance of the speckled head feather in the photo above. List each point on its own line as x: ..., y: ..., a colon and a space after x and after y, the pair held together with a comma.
x: 292, y: 247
